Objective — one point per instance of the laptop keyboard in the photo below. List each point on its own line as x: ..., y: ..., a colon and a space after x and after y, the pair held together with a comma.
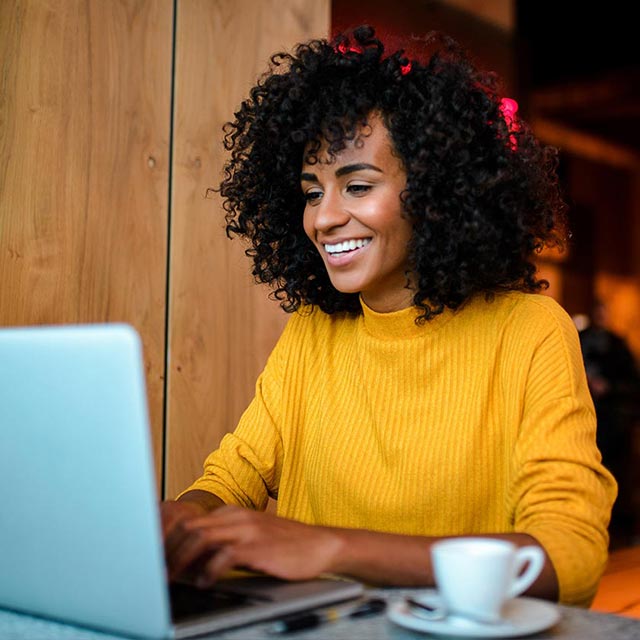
x: 189, y: 602
x: 14, y: 626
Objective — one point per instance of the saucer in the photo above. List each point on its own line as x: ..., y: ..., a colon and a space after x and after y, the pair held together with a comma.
x: 521, y: 617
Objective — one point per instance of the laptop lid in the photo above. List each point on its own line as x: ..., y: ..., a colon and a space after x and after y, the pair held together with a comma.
x: 80, y: 538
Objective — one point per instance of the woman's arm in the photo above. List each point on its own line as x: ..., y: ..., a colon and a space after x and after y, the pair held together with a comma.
x: 560, y: 493
x: 233, y: 537
x: 406, y: 560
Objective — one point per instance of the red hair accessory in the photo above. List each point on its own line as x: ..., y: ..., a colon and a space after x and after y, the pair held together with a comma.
x: 344, y: 48
x: 508, y: 108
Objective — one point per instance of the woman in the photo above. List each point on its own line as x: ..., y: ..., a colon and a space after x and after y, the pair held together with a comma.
x: 422, y: 388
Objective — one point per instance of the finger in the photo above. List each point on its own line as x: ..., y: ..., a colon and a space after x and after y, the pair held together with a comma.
x: 228, y: 514
x: 168, y: 517
x: 191, y: 536
x: 192, y: 548
x: 256, y: 531
x: 223, y: 532
x: 215, y: 566
x: 172, y: 513
x: 176, y: 533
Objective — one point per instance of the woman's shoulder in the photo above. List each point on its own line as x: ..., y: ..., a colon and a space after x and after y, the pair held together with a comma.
x: 308, y: 328
x: 534, y: 317
x: 307, y: 337
x: 515, y: 312
x: 540, y: 307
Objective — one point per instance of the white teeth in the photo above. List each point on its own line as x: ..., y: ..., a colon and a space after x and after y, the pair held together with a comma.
x: 347, y: 245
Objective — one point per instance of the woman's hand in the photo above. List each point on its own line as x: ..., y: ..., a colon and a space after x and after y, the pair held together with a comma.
x: 173, y: 516
x: 201, y: 547
x: 173, y: 512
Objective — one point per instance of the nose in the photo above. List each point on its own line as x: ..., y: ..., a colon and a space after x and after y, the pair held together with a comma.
x: 330, y: 213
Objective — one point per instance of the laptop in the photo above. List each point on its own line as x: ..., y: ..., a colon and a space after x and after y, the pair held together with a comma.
x: 80, y: 538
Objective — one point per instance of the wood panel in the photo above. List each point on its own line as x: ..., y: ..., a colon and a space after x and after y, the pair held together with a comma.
x: 221, y: 325
x: 85, y: 95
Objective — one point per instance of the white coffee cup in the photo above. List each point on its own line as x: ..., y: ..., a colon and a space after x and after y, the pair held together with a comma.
x: 476, y: 576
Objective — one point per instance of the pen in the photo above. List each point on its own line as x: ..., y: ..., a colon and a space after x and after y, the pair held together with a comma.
x: 311, y: 619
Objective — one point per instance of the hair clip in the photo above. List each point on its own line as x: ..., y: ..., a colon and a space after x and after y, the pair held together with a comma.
x: 508, y: 108
x: 345, y: 48
x: 405, y: 68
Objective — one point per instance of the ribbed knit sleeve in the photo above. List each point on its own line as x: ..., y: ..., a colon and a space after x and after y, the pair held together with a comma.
x: 245, y: 470
x: 560, y: 492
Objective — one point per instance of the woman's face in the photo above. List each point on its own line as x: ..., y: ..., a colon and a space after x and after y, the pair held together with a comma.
x: 353, y: 215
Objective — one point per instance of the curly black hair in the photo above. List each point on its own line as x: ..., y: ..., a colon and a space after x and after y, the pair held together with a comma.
x: 482, y: 193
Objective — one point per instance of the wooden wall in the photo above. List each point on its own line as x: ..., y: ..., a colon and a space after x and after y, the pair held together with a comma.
x: 85, y: 93
x: 222, y: 326
x: 98, y: 224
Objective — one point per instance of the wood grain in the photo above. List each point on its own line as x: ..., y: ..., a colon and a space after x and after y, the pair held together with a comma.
x: 222, y: 326
x: 85, y: 95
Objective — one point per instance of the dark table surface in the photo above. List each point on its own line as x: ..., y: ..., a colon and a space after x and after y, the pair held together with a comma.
x: 573, y: 624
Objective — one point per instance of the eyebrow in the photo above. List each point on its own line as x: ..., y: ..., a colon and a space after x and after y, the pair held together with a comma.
x: 342, y: 171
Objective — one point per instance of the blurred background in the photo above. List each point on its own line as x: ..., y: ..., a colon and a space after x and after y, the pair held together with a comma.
x: 111, y: 115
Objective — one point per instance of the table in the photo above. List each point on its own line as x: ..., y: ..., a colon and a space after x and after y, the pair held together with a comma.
x: 574, y: 624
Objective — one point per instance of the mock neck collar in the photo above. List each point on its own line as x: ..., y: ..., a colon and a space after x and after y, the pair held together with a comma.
x: 401, y: 324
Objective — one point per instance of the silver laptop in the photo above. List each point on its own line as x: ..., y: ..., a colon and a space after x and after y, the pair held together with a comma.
x: 80, y: 540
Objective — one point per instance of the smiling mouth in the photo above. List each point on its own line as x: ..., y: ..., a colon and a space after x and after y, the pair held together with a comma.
x: 342, y: 248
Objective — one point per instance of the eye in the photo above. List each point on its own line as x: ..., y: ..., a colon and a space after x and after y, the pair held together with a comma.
x: 312, y: 195
x: 358, y: 189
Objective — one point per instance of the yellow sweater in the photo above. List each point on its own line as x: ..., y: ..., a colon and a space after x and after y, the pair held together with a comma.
x: 477, y: 422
